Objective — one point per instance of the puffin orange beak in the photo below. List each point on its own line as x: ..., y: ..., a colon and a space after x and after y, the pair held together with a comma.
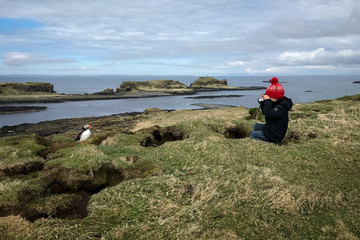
x: 90, y: 126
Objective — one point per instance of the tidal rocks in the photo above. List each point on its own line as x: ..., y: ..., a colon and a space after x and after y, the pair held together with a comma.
x: 108, y: 91
x: 215, y: 96
x: 20, y: 109
x: 48, y: 128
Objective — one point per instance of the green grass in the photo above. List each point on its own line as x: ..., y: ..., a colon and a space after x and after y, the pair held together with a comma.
x: 19, y: 149
x: 208, y: 186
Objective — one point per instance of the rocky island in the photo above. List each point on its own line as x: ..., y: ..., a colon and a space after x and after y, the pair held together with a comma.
x: 40, y: 92
x: 166, y: 86
x: 212, y: 84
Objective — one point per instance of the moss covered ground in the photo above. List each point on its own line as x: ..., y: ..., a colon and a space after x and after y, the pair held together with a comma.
x: 189, y: 175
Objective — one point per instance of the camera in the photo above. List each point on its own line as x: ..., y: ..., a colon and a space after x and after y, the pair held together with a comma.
x: 260, y: 100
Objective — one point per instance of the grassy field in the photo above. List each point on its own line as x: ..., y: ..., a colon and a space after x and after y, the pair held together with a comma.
x: 189, y: 175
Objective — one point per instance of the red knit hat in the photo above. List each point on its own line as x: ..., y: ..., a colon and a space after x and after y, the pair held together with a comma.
x: 275, y: 90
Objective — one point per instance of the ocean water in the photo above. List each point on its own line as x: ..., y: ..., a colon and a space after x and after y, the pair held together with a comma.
x: 300, y: 89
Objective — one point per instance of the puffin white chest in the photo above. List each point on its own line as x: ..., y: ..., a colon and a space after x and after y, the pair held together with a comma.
x: 85, y: 135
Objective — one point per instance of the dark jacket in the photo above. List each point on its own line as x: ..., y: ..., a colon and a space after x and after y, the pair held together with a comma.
x: 277, y: 118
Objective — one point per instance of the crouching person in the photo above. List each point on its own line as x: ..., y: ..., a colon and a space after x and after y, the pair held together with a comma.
x: 275, y: 106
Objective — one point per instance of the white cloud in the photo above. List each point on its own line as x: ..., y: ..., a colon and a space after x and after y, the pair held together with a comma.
x: 23, y: 58
x: 320, y: 56
x: 263, y: 34
x: 236, y: 63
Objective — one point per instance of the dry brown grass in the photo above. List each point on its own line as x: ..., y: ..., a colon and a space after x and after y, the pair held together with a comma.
x: 174, y: 117
x: 14, y: 227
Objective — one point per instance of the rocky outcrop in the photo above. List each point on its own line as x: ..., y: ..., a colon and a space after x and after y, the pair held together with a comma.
x: 108, y: 91
x: 20, y: 109
x: 212, y: 84
x: 206, y: 82
x: 26, y: 88
x: 152, y: 85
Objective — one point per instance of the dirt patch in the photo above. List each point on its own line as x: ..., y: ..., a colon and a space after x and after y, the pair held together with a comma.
x: 75, y: 207
x: 296, y: 136
x: 235, y: 132
x: 22, y: 168
x: 159, y: 136
x: 58, y: 180
x: 312, y: 135
x: 54, y: 146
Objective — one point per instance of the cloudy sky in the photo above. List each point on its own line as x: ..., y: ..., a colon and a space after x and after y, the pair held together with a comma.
x: 184, y: 37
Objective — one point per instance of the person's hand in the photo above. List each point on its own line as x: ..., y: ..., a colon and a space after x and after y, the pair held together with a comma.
x: 265, y: 97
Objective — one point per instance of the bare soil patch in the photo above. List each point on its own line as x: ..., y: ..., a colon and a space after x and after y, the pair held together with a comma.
x: 159, y: 136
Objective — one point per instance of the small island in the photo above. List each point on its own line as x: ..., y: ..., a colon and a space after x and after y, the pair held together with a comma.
x: 41, y: 92
x: 212, y: 84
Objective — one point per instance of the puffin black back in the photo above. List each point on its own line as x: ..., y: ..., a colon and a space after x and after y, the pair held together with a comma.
x: 84, y: 134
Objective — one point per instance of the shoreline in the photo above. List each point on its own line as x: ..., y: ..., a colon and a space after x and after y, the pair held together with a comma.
x: 50, y: 127
x: 20, y: 109
x: 59, y: 98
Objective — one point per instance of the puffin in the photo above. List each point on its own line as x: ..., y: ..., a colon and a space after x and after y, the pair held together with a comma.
x: 84, y: 134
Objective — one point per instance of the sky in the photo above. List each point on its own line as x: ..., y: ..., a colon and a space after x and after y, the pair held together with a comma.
x: 183, y: 37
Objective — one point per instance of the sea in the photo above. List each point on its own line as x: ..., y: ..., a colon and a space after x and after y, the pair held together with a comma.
x: 301, y: 89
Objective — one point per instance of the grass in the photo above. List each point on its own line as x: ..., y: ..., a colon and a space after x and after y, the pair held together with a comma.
x: 206, y: 186
x: 14, y: 150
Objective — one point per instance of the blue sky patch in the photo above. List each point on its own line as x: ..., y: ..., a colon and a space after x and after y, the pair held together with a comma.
x: 14, y: 24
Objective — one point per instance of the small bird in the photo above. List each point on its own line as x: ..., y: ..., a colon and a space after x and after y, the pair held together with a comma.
x: 84, y: 134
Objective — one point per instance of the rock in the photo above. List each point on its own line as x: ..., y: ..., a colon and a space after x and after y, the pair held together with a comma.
x: 152, y: 110
x: 20, y: 109
x: 214, y: 96
x: 70, y: 125
x: 206, y: 82
x: 108, y: 91
x: 212, y: 84
x: 26, y: 88
x: 152, y: 85
x: 126, y: 86
x: 356, y: 82
x: 212, y: 106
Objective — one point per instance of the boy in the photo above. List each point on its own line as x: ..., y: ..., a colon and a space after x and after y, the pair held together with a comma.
x: 276, y: 108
